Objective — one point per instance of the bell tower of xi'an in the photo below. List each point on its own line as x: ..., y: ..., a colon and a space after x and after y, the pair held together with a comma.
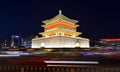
x: 60, y: 32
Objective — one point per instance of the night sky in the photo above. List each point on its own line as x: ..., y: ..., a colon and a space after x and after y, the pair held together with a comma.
x: 97, y: 19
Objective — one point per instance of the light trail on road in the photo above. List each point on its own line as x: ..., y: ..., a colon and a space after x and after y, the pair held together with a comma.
x: 72, y: 62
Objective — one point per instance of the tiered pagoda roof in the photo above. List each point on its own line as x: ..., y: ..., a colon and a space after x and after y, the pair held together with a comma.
x: 60, y: 16
x: 60, y: 24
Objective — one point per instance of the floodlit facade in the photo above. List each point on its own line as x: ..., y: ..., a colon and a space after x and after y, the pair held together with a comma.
x: 60, y: 32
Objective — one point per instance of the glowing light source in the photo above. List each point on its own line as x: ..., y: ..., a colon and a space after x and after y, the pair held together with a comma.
x: 9, y: 55
x: 77, y: 44
x: 73, y: 62
x: 87, y: 54
x: 42, y: 44
x: 108, y: 40
x: 62, y: 25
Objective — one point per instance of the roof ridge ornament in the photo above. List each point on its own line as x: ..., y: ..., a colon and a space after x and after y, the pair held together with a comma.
x: 60, y: 16
x: 60, y: 12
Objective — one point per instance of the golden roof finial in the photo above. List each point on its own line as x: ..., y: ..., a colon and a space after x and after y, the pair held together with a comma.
x: 60, y: 12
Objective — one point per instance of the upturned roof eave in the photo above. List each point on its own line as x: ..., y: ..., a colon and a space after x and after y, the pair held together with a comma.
x: 59, y: 17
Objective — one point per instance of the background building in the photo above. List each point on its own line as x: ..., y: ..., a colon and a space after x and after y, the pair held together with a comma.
x: 15, y: 41
x: 111, y: 42
x: 27, y: 41
x: 60, y: 32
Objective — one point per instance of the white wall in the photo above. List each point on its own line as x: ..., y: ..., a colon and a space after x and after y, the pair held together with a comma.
x: 59, y: 42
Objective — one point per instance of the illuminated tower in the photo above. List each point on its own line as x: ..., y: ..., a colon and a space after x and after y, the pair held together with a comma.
x: 60, y: 25
x: 60, y: 32
x: 15, y: 41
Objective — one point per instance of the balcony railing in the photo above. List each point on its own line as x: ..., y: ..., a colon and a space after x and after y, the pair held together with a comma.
x: 77, y: 68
